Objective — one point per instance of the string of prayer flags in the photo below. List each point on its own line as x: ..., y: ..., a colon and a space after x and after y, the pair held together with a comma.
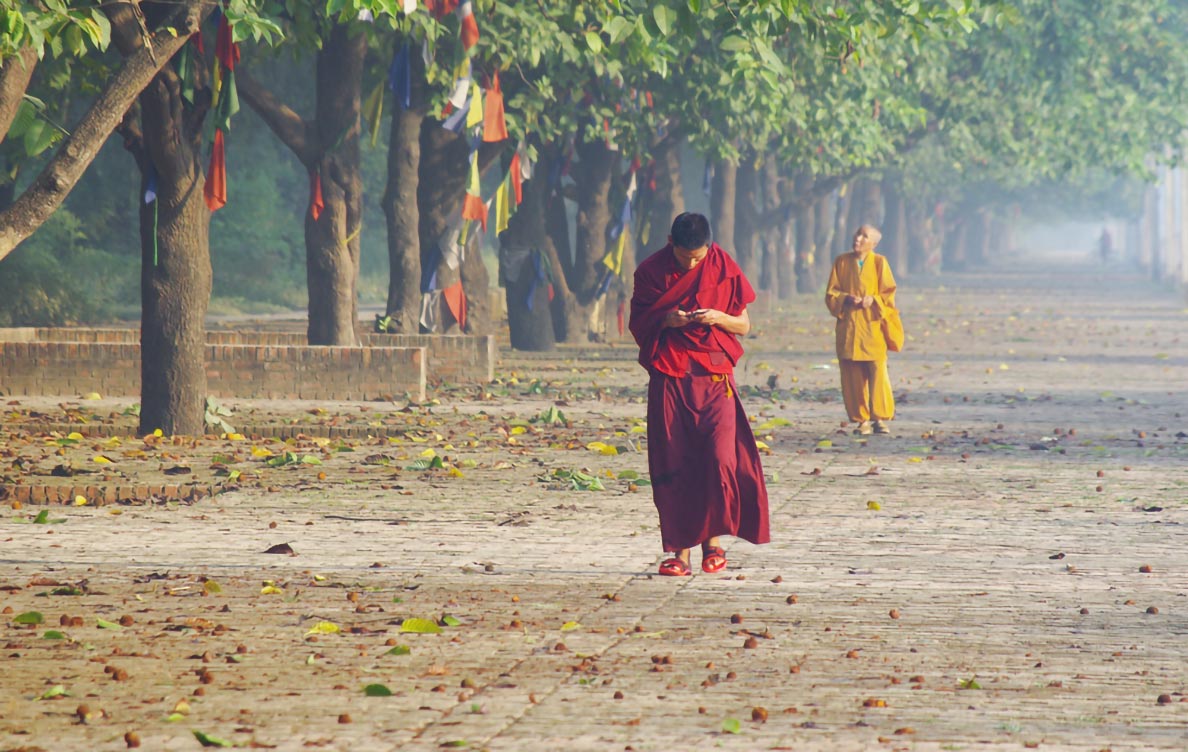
x: 316, y: 204
x: 494, y: 123
x: 469, y: 32
x: 473, y: 206
x: 457, y: 120
x: 400, y: 76
x: 373, y: 111
x: 226, y: 104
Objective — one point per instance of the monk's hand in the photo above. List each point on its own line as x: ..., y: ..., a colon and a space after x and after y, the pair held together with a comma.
x: 854, y: 300
x: 676, y: 319
x: 867, y: 302
x: 707, y: 316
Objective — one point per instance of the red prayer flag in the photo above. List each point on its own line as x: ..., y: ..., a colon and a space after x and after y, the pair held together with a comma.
x: 455, y: 298
x: 316, y: 204
x: 469, y: 31
x: 196, y: 40
x: 474, y: 208
x: 215, y: 190
x: 226, y: 50
x: 494, y: 124
x: 517, y: 179
x: 440, y: 8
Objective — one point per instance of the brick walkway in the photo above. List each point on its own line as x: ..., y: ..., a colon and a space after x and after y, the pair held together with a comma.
x: 997, y: 598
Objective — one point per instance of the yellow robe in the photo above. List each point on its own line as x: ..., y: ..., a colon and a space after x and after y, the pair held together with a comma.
x: 861, y: 348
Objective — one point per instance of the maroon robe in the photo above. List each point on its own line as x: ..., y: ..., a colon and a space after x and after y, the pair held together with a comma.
x: 706, y: 476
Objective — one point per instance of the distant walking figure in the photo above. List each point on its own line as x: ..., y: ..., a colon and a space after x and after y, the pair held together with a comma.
x: 688, y: 310
x: 861, y: 296
x: 1105, y: 245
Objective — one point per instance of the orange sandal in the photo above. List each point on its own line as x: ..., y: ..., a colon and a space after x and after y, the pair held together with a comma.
x: 674, y: 567
x: 713, y: 559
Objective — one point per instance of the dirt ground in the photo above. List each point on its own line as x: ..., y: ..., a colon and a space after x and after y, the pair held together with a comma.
x: 1009, y: 570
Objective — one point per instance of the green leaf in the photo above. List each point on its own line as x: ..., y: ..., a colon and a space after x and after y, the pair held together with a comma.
x: 663, y: 16
x: 617, y: 28
x: 53, y: 634
x: 731, y: 726
x: 55, y: 691
x: 377, y: 690
x: 628, y: 475
x: 774, y: 423
x: 734, y: 43
x: 103, y: 624
x: 400, y: 650
x: 594, y: 42
x: 451, y: 621
x: 67, y: 590
x: 694, y: 6
x: 42, y: 517
x: 309, y: 459
x: 420, y: 626
x: 970, y: 683
x: 210, y: 740
x: 29, y: 617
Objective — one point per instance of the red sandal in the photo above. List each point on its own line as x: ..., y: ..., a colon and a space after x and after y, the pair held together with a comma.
x: 674, y: 567
x: 713, y: 559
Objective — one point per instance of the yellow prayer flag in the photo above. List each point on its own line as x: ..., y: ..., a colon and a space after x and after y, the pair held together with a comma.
x: 474, y: 118
x: 474, y: 184
x: 502, y: 213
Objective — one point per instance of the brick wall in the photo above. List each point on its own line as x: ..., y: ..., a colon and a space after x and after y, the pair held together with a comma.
x: 72, y: 361
x: 244, y: 371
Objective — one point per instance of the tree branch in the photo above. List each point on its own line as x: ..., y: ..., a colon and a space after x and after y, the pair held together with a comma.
x: 78, y: 150
x: 15, y: 73
x: 284, y: 122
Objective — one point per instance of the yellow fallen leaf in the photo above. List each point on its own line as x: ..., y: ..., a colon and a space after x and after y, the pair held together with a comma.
x: 569, y: 626
x: 1003, y: 367
x: 874, y: 506
x: 517, y: 430
x: 319, y: 578
x: 429, y: 453
x: 92, y: 396
x: 75, y: 435
x: 99, y: 458
x: 80, y: 501
x: 233, y: 436
x: 455, y: 472
x: 270, y: 590
x: 261, y: 452
x: 324, y: 627
x: 639, y: 429
x: 158, y: 432
x: 761, y: 445
x: 602, y: 448
x: 915, y: 459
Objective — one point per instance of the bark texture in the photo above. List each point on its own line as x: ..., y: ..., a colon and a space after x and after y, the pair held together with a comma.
x: 521, y: 249
x: 746, y: 216
x: 402, y: 211
x: 668, y: 199
x: 15, y: 74
x: 723, y: 197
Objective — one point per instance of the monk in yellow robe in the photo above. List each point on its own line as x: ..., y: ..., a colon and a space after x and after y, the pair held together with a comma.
x: 861, y: 287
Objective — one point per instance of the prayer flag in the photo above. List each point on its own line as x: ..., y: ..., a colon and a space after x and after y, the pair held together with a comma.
x: 473, y: 206
x: 516, y: 178
x: 469, y: 31
x: 494, y: 124
x: 215, y: 190
x: 316, y: 204
x: 226, y: 49
x: 440, y: 8
x: 456, y: 120
x: 475, y: 118
x: 400, y: 76
x: 409, y: 6
x: 502, y: 210
x: 150, y: 188
x: 226, y: 101
x: 455, y: 298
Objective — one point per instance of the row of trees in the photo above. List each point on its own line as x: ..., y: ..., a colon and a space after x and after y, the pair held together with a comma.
x: 936, y: 115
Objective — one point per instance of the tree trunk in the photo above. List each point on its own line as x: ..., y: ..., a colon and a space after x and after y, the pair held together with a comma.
x: 954, y: 250
x: 175, y: 246
x: 823, y: 235
x: 805, y: 244
x: 894, y: 245
x: 978, y: 246
x: 917, y: 236
x: 842, y: 232
x: 524, y: 267
x: 78, y: 149
x: 593, y: 218
x: 746, y: 215
x: 770, y: 269
x: 723, y: 205
x: 15, y: 74
x: 668, y: 200
x: 401, y: 209
x: 332, y: 240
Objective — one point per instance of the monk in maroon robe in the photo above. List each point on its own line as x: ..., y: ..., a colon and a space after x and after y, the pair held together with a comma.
x: 688, y: 310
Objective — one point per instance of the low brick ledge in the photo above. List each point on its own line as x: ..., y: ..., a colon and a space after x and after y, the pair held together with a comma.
x: 255, y: 433
x: 106, y: 495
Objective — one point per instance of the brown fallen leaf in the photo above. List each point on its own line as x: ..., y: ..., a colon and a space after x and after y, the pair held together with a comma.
x: 281, y: 548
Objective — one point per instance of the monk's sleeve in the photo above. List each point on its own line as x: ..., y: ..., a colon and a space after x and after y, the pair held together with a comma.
x: 835, y: 297
x: 646, y: 323
x: 886, y: 296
